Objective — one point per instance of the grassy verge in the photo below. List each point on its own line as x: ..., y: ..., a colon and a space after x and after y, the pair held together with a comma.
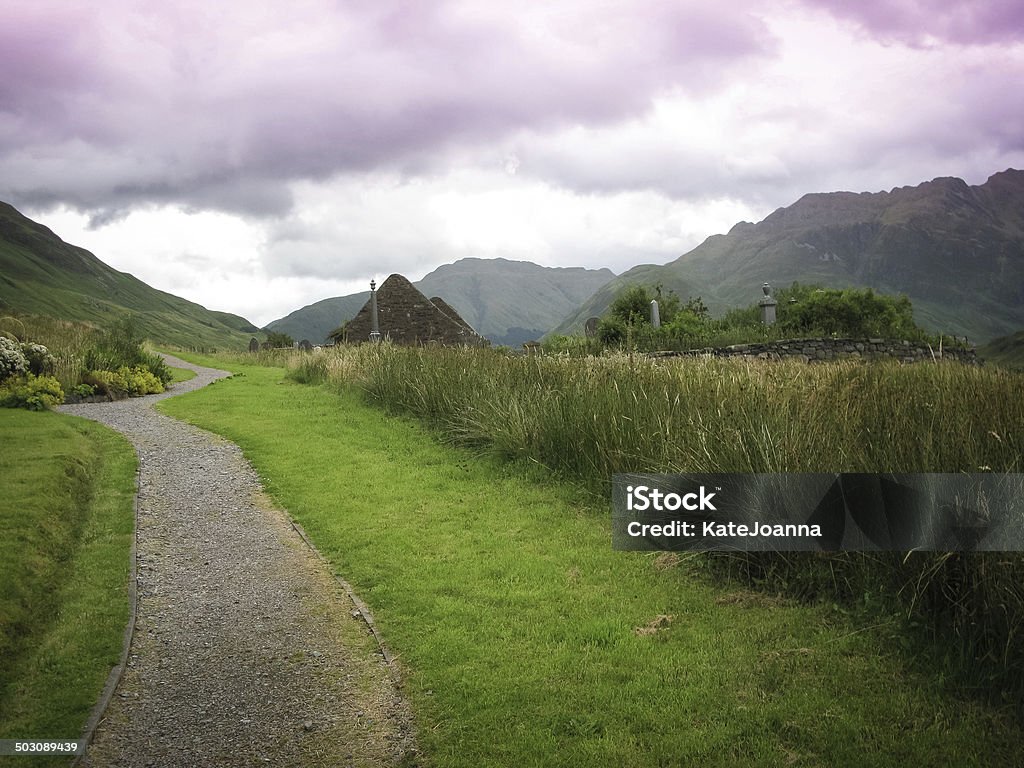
x: 181, y: 374
x: 66, y: 517
x: 528, y: 641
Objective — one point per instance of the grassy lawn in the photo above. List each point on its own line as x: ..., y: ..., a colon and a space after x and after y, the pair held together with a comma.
x: 526, y: 640
x: 66, y: 519
x: 181, y: 374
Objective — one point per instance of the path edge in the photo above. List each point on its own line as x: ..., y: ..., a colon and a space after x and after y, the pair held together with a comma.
x: 364, y: 611
x: 117, y: 672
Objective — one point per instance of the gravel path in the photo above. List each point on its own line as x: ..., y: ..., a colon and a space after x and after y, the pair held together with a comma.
x: 246, y: 650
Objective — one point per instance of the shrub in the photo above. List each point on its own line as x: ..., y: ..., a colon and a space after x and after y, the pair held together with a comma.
x: 107, y: 383
x: 121, y: 346
x: 40, y: 361
x: 36, y: 393
x: 124, y: 382
x: 12, y: 359
x: 140, y: 381
x: 278, y: 339
x: 157, y: 367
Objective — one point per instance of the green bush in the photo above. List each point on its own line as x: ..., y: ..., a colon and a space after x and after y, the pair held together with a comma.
x: 37, y: 393
x: 804, y: 311
x: 124, y: 382
x: 120, y: 346
x: 105, y: 382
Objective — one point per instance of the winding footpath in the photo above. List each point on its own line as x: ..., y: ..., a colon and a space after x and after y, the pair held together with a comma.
x: 246, y: 651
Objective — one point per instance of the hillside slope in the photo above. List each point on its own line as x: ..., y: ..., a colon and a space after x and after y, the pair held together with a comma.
x: 1007, y: 351
x: 41, y: 274
x: 956, y: 250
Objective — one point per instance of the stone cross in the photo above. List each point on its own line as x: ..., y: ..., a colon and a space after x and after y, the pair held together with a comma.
x: 374, y: 321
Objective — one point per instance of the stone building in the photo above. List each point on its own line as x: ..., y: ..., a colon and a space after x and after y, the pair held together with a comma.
x: 406, y: 316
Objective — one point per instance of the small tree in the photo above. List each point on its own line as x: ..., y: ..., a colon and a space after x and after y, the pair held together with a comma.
x: 279, y: 339
x: 632, y: 306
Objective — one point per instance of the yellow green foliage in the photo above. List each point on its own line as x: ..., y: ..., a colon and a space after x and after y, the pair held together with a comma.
x: 124, y: 382
x: 36, y: 393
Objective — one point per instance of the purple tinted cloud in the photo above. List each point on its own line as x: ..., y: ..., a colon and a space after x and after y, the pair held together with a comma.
x: 914, y: 21
x: 105, y: 106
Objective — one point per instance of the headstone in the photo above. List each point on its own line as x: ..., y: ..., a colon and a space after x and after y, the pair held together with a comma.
x: 590, y: 327
x: 655, y: 314
x: 767, y: 305
x: 254, y: 344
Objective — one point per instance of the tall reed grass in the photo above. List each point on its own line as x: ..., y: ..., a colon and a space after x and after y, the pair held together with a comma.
x: 588, y: 418
x: 68, y: 342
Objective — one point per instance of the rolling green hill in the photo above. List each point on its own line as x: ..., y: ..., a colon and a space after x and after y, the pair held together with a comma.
x: 1007, y: 351
x: 509, y: 302
x: 956, y: 250
x: 41, y: 274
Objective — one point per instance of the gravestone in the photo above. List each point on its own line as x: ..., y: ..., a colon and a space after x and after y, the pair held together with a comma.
x: 254, y: 344
x: 767, y: 305
x: 590, y: 327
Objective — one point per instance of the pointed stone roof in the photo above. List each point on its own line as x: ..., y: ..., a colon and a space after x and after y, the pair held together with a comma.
x: 406, y: 316
x: 449, y: 310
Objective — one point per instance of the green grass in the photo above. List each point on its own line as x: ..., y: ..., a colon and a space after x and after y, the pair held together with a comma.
x: 589, y: 418
x: 527, y: 641
x: 181, y: 374
x: 66, y: 519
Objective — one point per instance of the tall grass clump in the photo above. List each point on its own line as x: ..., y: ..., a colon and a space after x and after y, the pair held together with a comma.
x: 587, y: 418
x: 67, y: 341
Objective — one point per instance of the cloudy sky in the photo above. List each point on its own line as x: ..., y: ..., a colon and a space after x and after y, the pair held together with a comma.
x: 259, y: 156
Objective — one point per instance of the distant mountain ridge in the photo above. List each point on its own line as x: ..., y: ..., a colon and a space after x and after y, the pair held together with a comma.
x: 41, y: 274
x: 956, y: 250
x: 507, y: 301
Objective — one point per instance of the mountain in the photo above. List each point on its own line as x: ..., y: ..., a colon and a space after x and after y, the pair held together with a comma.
x: 41, y: 274
x: 956, y: 250
x: 509, y: 302
x: 1007, y: 351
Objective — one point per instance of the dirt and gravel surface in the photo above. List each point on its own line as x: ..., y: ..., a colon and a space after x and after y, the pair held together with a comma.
x: 246, y: 650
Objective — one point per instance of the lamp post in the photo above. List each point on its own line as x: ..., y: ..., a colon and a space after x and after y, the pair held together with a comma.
x: 374, y: 322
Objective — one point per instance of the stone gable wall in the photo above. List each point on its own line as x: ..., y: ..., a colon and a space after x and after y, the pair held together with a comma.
x: 406, y: 316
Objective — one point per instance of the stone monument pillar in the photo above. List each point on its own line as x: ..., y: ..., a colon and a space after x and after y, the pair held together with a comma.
x: 374, y: 322
x: 767, y: 305
x: 655, y: 314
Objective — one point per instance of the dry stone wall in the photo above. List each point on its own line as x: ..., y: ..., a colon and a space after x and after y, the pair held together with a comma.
x: 818, y: 350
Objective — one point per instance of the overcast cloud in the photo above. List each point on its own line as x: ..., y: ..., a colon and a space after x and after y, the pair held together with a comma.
x: 258, y: 157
